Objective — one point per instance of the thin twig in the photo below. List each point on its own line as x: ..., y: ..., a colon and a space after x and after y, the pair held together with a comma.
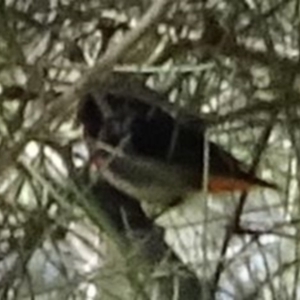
x: 235, y: 224
x: 64, y: 106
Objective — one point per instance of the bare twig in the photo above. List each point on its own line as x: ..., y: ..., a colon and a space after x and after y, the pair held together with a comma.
x: 235, y: 224
x: 65, y: 105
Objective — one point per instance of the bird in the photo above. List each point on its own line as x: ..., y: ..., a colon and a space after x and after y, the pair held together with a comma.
x: 143, y: 147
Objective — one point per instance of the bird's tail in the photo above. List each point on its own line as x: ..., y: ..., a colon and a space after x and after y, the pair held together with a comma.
x: 221, y: 184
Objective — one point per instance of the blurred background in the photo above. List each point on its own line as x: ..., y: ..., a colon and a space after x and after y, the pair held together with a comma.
x: 233, y: 63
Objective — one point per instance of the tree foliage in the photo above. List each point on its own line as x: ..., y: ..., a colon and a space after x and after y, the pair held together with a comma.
x: 233, y: 63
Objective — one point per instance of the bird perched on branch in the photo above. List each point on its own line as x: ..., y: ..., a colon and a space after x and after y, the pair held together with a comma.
x: 141, y: 148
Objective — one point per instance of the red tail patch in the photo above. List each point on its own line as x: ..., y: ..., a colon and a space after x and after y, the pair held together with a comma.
x: 222, y: 184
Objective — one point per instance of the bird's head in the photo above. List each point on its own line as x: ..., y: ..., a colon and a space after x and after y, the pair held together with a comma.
x: 108, y: 117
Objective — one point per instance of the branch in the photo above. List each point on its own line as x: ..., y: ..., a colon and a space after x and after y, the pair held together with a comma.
x: 142, y: 244
x: 235, y: 224
x: 99, y: 73
x: 64, y: 106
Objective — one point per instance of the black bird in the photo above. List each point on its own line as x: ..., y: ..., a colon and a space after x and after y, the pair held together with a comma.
x: 148, y: 152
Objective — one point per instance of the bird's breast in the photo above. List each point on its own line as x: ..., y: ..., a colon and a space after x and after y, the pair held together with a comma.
x: 147, y: 180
